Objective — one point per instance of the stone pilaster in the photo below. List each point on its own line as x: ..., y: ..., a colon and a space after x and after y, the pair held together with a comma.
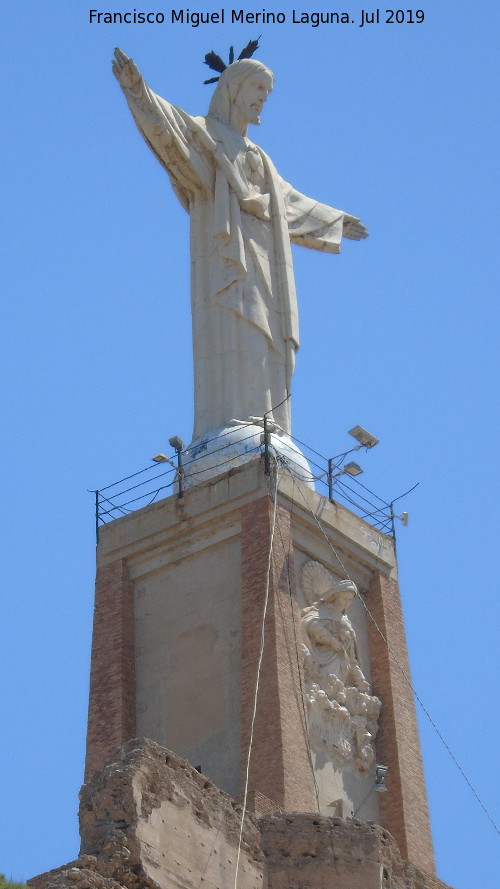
x: 279, y: 765
x: 403, y: 809
x: 111, y: 718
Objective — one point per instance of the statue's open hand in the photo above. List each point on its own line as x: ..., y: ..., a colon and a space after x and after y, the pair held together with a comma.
x: 353, y: 228
x: 125, y: 70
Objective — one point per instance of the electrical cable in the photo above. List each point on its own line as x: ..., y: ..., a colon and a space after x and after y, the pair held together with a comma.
x: 147, y: 468
x: 405, y: 493
x: 223, y: 447
x: 287, y: 463
x: 147, y: 494
x: 309, y: 448
x: 259, y: 666
x: 251, y: 455
x: 343, y: 488
x: 126, y: 478
x: 361, y: 485
x: 114, y: 506
x: 353, y: 479
x: 305, y: 720
x: 343, y: 493
x: 139, y: 484
x: 403, y: 672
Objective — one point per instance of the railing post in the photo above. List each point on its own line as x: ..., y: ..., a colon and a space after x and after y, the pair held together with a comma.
x: 330, y: 478
x: 267, y: 459
x: 393, y: 524
x: 180, y: 473
x: 96, y: 517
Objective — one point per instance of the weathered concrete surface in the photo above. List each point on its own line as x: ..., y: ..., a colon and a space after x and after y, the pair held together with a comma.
x: 151, y: 821
x: 306, y: 851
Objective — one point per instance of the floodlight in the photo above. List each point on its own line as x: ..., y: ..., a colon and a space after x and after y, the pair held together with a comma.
x: 365, y: 438
x: 380, y: 775
x: 378, y: 786
x: 404, y: 518
x: 160, y: 458
x: 176, y: 443
x: 352, y: 469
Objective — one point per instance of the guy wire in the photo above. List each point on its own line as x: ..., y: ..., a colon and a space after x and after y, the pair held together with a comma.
x: 259, y: 666
x: 396, y: 661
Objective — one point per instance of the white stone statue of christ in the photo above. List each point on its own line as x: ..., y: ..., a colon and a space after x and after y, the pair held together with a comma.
x: 243, y: 218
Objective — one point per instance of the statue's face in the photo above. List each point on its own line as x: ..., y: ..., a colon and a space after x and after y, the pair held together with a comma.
x: 343, y: 600
x: 252, y: 94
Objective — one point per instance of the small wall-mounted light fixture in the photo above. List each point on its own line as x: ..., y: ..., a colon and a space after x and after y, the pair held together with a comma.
x: 380, y: 773
x: 378, y: 785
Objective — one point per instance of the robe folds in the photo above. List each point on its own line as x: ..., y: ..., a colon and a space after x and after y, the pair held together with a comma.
x: 243, y: 217
x: 331, y: 641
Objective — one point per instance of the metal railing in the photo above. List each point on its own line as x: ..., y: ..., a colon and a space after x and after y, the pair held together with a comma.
x: 331, y: 479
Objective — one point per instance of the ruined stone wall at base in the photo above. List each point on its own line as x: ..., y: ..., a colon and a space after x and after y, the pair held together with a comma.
x: 149, y: 820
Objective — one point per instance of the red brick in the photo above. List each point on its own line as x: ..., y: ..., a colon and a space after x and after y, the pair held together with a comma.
x: 111, y: 718
x: 404, y: 809
x: 279, y: 767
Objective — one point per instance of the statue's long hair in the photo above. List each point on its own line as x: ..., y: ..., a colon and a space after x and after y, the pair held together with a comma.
x: 229, y: 84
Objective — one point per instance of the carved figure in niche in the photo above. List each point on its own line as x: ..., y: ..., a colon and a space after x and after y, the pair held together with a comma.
x: 243, y: 218
x: 343, y: 715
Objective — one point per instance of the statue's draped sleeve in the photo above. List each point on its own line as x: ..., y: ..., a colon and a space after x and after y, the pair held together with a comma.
x: 172, y: 135
x: 311, y: 224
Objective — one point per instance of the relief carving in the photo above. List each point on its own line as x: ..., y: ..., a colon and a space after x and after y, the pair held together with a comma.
x: 343, y: 714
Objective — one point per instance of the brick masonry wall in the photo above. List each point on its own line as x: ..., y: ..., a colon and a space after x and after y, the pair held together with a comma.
x: 403, y: 809
x: 111, y: 719
x: 280, y: 768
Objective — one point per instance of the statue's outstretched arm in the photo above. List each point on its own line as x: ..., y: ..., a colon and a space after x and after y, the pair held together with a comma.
x: 167, y: 130
x: 318, y: 226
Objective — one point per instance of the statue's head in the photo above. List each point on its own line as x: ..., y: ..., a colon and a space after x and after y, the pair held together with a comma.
x: 245, y: 86
x: 341, y: 594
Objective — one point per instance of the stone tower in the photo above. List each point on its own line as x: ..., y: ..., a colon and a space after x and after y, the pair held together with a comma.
x: 217, y: 751
x: 180, y: 596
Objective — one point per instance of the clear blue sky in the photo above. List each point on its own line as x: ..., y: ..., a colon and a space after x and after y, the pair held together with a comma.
x: 395, y: 123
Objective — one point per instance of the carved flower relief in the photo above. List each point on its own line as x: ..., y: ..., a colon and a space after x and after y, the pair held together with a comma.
x: 343, y: 715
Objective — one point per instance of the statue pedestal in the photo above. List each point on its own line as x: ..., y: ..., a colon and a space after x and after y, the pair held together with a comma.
x: 230, y: 447
x: 180, y: 593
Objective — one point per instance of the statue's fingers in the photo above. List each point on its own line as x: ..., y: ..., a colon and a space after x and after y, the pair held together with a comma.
x: 357, y: 231
x: 117, y: 71
x: 120, y: 56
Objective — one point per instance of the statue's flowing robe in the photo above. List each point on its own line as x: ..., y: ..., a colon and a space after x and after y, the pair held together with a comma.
x: 243, y: 217
x: 321, y: 625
